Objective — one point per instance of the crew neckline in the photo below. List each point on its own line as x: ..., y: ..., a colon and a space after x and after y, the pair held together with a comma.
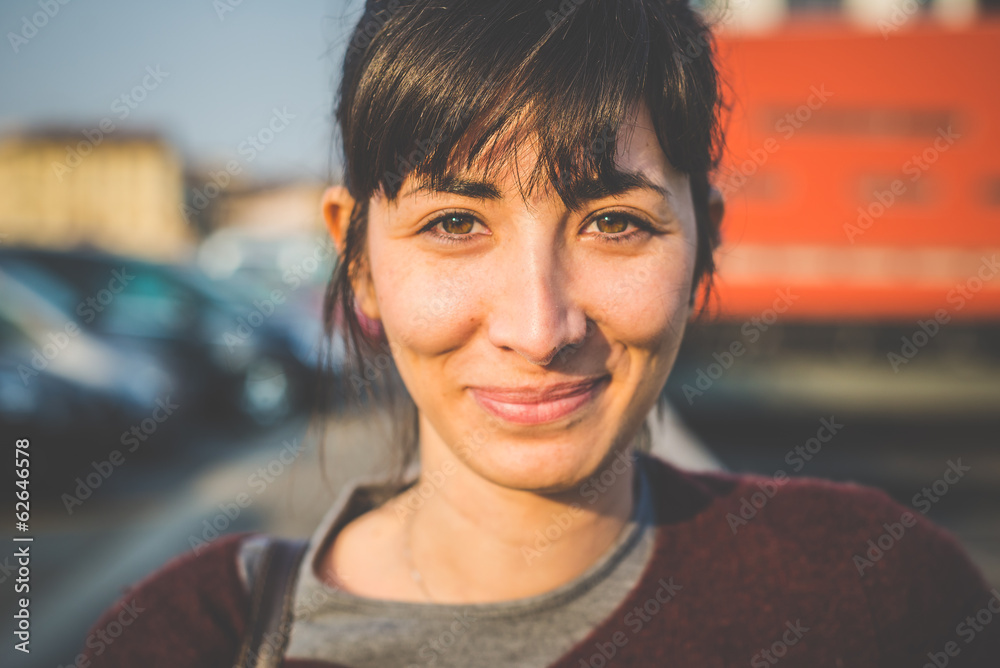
x: 357, y: 498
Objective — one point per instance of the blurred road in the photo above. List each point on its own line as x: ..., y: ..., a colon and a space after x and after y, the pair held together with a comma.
x: 906, y: 457
x: 144, y: 514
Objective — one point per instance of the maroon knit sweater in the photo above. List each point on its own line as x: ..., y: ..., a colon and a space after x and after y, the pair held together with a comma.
x: 745, y: 571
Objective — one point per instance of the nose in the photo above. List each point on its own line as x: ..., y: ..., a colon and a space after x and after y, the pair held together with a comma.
x: 533, y: 311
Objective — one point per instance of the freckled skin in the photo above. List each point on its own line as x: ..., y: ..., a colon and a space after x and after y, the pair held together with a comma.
x: 534, y: 294
x: 492, y: 311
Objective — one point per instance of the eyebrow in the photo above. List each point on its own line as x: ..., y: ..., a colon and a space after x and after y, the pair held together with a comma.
x: 578, y: 190
x: 454, y: 185
x: 620, y: 183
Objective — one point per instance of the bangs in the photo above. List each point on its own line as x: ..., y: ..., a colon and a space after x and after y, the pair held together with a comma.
x: 459, y: 86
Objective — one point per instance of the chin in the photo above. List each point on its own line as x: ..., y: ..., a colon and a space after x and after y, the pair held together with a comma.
x: 552, y: 463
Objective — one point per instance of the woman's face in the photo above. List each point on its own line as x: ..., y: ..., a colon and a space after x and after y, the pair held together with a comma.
x: 535, y: 339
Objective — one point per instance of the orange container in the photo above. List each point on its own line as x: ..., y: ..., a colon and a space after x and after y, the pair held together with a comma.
x: 862, y: 173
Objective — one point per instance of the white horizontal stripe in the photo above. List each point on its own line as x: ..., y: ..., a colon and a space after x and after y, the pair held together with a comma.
x: 799, y: 264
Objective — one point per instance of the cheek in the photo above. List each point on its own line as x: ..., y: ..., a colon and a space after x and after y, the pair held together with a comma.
x: 426, y: 308
x: 645, y: 303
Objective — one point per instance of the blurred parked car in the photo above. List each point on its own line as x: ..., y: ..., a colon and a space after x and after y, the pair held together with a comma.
x: 226, y: 349
x: 66, y: 389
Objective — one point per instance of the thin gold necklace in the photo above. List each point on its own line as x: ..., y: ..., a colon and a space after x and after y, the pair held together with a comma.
x: 415, y: 573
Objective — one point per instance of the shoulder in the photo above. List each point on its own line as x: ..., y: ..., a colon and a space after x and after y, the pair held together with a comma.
x: 191, y: 612
x: 915, y: 583
x: 919, y: 584
x: 883, y: 540
x: 835, y: 517
x: 811, y: 511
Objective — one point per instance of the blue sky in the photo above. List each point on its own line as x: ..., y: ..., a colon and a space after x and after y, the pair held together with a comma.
x: 222, y: 73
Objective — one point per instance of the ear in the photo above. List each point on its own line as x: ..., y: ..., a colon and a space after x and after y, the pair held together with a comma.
x: 337, y: 207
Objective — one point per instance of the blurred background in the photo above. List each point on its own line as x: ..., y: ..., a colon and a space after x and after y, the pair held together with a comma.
x: 162, y: 265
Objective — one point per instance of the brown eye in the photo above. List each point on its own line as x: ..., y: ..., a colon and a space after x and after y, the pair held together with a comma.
x: 611, y: 224
x: 455, y: 228
x: 457, y: 224
x: 614, y: 227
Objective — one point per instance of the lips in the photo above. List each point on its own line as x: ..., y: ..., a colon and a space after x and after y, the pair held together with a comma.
x: 537, y: 405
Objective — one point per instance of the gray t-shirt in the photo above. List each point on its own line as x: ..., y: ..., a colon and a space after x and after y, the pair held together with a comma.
x: 339, y: 627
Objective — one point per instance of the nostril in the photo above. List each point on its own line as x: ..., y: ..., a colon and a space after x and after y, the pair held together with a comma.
x: 537, y: 318
x: 543, y: 361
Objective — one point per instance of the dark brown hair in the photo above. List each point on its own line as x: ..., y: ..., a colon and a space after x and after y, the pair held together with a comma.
x: 430, y: 87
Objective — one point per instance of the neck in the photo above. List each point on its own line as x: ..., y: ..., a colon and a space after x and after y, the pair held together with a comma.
x: 473, y: 541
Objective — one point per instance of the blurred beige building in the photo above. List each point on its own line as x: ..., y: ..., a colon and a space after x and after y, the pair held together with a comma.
x: 278, y: 208
x: 120, y: 192
x: 754, y: 16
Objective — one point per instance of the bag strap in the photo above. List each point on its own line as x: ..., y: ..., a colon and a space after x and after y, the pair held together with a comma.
x: 270, y: 621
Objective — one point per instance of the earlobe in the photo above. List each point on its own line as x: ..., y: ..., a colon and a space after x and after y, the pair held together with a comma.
x: 367, y: 304
x: 337, y: 206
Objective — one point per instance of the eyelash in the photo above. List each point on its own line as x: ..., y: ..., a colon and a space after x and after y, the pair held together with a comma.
x: 449, y: 238
x: 641, y: 228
